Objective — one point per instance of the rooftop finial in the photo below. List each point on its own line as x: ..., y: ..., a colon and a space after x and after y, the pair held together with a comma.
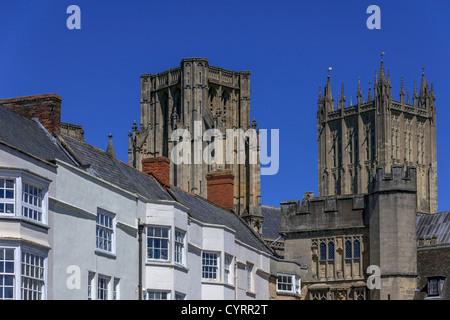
x: 369, y: 97
x: 110, y: 147
x: 402, y: 90
x: 254, y: 124
x: 423, y: 85
x: 359, y: 94
x: 327, y: 93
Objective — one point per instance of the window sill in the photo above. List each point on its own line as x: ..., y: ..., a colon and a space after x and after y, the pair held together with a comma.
x: 288, y: 293
x: 23, y: 219
x: 212, y: 281
x: 251, y: 294
x: 105, y: 254
x: 166, y: 264
x: 219, y: 283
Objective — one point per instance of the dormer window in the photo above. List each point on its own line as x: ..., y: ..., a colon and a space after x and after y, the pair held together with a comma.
x: 435, y: 285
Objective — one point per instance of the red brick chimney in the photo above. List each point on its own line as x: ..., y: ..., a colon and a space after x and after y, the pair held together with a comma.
x: 159, y: 168
x: 45, y: 107
x: 220, y: 188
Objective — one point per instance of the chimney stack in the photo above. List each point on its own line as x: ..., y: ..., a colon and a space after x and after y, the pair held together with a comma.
x: 45, y: 107
x: 220, y: 188
x: 159, y: 168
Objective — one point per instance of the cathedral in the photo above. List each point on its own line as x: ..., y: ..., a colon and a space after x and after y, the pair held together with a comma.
x: 198, y: 97
x: 380, y: 131
x: 376, y: 174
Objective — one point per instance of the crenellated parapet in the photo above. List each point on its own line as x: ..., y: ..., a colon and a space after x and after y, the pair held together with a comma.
x: 397, y: 179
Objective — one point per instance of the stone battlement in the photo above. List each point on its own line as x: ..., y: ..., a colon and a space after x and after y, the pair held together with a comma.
x: 396, y: 180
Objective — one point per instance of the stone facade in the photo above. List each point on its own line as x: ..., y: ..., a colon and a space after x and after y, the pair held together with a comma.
x: 330, y: 236
x: 377, y: 172
x: 339, y: 237
x: 379, y: 132
x: 193, y: 94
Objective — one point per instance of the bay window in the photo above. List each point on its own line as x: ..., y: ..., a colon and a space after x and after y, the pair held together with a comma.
x: 23, y: 195
x: 22, y: 273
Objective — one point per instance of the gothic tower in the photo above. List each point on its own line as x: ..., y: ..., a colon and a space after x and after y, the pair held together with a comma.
x: 197, y: 97
x: 354, y: 139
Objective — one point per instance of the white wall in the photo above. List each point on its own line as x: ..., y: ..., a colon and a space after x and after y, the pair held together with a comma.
x: 78, y: 197
x: 168, y: 276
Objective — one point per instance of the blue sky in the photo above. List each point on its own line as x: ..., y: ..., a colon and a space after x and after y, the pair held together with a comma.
x: 287, y: 45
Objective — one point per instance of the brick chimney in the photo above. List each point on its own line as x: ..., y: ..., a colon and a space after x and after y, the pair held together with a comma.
x: 45, y: 107
x: 220, y: 188
x: 159, y: 168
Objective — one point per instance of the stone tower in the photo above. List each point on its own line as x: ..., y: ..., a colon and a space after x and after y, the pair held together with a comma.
x: 392, y: 225
x: 197, y: 97
x: 379, y: 132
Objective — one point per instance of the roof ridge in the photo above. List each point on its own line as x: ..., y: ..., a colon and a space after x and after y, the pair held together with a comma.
x: 265, y: 205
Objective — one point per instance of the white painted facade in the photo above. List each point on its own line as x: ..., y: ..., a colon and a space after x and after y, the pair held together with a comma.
x: 185, y: 280
x: 79, y: 199
x: 73, y: 267
x: 24, y: 235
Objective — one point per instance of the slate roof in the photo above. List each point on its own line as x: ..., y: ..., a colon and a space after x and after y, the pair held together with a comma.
x: 111, y: 169
x: 204, y: 211
x: 28, y: 136
x: 272, y: 222
x: 434, y: 224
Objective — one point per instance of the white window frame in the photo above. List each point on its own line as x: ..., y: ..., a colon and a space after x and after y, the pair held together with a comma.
x: 20, y: 249
x: 28, y: 190
x: 4, y: 274
x: 101, y: 227
x: 433, y: 287
x: 228, y: 270
x: 215, y: 268
x: 153, y: 259
x: 8, y: 201
x: 159, y: 293
x: 295, y: 283
x: 178, y: 245
x: 30, y: 279
x: 116, y: 289
x: 91, y: 286
x: 20, y: 180
x: 107, y: 294
x: 249, y: 276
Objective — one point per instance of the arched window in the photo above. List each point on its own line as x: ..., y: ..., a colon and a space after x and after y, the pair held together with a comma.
x: 225, y: 99
x: 212, y: 93
x: 348, y: 249
x: 323, y: 251
x: 331, y: 250
x: 356, y: 249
